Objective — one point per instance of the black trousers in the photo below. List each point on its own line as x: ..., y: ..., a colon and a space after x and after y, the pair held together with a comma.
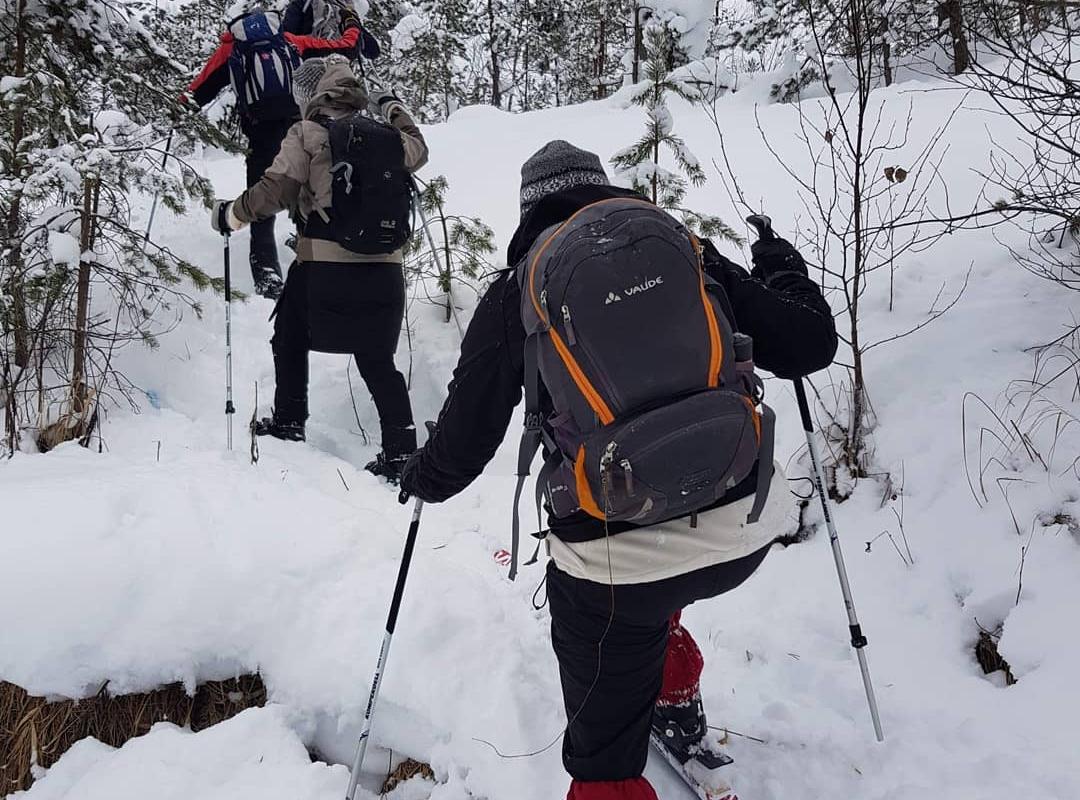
x: 264, y: 139
x: 610, y: 692
x: 343, y: 308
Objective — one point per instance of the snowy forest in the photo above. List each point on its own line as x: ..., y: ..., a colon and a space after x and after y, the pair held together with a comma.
x: 195, y: 587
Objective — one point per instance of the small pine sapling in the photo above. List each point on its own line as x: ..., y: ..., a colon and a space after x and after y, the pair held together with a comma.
x: 639, y: 164
x: 454, y: 248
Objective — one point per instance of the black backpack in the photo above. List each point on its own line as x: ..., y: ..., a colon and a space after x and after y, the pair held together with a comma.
x: 261, y: 67
x: 371, y: 210
x: 657, y: 412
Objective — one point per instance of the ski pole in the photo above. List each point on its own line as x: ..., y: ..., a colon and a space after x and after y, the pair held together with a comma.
x: 230, y: 409
x: 384, y: 651
x: 763, y: 225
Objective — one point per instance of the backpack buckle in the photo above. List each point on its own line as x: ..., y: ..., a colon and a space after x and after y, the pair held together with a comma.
x: 533, y: 421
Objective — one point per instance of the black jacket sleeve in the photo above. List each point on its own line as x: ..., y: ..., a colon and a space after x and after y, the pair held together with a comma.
x: 788, y: 318
x: 298, y: 18
x: 482, y: 396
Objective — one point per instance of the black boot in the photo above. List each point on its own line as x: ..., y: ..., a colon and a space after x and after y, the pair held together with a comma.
x: 682, y: 730
x: 398, y: 445
x: 280, y: 429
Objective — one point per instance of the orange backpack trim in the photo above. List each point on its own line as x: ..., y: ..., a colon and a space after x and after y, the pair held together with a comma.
x: 584, y: 491
x: 716, y: 348
x: 755, y: 415
x: 595, y: 400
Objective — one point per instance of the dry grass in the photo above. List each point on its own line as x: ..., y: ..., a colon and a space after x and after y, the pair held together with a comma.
x: 36, y: 732
x: 406, y: 770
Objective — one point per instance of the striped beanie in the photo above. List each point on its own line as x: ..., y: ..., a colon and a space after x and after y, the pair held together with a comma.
x: 556, y: 166
x: 305, y: 81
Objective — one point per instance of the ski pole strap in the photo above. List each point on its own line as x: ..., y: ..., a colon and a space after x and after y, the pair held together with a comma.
x: 530, y: 441
x: 543, y: 481
x: 765, y: 463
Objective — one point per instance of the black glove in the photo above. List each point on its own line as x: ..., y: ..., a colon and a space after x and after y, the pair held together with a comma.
x: 378, y: 101
x: 410, y: 471
x: 349, y: 19
x: 368, y: 45
x: 775, y: 255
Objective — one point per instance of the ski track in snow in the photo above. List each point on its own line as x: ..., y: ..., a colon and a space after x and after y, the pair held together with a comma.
x: 167, y: 558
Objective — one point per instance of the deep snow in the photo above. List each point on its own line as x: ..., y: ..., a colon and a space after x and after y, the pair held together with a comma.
x: 168, y: 558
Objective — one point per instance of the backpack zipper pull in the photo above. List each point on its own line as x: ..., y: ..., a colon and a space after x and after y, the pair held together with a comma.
x: 628, y: 474
x: 608, y: 457
x: 569, y: 325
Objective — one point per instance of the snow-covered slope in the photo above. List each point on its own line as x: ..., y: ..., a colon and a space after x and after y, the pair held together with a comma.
x: 168, y: 558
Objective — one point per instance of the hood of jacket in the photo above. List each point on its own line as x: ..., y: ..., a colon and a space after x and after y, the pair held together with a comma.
x: 338, y: 91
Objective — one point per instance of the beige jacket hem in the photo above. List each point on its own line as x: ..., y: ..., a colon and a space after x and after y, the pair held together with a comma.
x: 674, y: 548
x: 308, y: 250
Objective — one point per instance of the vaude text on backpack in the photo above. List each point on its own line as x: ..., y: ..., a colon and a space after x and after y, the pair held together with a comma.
x: 261, y: 67
x: 654, y: 416
x: 372, y: 191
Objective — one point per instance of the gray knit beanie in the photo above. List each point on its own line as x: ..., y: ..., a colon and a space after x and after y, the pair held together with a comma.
x: 305, y: 81
x: 556, y: 166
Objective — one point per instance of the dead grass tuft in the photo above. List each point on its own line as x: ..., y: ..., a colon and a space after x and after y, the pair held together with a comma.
x: 35, y: 732
x: 406, y: 770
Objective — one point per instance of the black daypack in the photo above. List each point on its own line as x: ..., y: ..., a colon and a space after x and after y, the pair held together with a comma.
x: 261, y: 67
x: 657, y: 411
x: 371, y: 208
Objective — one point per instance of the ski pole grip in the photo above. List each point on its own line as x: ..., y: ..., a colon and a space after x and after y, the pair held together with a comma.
x: 763, y: 225
x: 804, y: 407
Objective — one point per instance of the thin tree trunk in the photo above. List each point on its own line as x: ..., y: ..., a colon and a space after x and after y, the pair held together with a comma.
x: 19, y: 319
x: 952, y: 10
x: 447, y: 270
x: 601, y: 55
x: 886, y: 51
x: 639, y: 42
x: 864, y: 71
x: 79, y: 393
x: 493, y: 46
x: 528, y: 37
x: 656, y: 165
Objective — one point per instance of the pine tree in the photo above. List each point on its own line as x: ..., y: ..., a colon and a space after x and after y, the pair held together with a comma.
x: 428, y: 56
x: 461, y: 244
x: 87, y: 98
x: 639, y: 165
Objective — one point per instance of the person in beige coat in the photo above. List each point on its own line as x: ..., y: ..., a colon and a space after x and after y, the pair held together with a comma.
x: 335, y: 300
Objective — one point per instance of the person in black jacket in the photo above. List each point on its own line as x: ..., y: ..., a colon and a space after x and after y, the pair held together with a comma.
x: 299, y: 16
x: 600, y: 585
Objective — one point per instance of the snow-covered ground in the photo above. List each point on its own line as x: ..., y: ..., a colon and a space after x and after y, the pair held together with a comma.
x: 167, y: 558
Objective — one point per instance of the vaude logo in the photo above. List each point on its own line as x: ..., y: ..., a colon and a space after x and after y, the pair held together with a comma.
x: 650, y: 283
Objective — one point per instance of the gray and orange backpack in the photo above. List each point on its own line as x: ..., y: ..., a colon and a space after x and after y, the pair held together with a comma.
x: 657, y: 410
